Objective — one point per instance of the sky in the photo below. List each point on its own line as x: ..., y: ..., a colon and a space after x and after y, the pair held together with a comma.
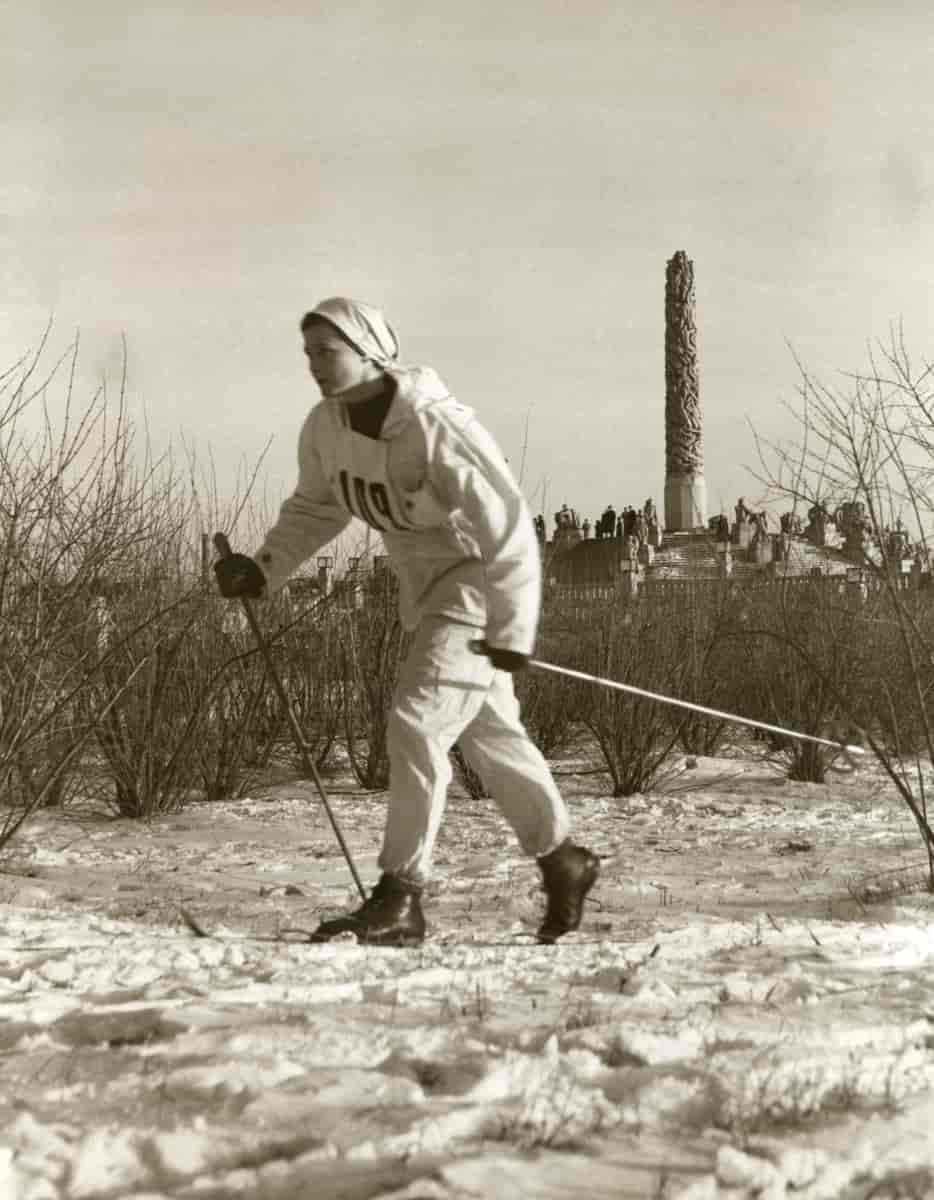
x: 507, y: 182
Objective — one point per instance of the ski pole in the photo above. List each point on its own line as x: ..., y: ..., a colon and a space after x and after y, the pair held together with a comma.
x: 311, y: 771
x: 844, y: 747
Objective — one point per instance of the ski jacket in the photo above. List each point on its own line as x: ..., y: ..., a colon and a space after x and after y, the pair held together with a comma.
x: 457, y: 530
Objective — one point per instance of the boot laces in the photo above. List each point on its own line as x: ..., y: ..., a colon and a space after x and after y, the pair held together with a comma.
x: 376, y: 897
x: 384, y: 889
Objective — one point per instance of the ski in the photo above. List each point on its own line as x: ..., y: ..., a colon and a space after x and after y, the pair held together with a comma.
x: 197, y: 927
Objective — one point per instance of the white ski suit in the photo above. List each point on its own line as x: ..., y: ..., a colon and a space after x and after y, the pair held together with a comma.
x: 461, y: 541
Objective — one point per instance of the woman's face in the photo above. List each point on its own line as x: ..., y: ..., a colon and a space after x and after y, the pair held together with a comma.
x: 335, y: 365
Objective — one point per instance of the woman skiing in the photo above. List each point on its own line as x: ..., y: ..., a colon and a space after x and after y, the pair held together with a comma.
x: 392, y: 446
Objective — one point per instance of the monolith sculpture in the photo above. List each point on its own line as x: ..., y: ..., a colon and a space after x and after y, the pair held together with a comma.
x: 685, y: 488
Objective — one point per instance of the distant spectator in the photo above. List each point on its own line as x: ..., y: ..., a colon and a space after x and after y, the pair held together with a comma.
x: 566, y: 518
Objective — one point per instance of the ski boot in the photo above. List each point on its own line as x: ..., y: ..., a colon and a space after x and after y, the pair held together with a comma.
x: 569, y: 872
x: 391, y: 916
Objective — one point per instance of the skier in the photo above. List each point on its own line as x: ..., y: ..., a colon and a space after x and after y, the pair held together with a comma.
x: 392, y: 446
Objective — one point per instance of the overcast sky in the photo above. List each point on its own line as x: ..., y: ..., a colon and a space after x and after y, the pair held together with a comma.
x: 507, y: 181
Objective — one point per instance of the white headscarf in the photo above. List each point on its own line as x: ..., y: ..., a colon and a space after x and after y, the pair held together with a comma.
x: 363, y: 326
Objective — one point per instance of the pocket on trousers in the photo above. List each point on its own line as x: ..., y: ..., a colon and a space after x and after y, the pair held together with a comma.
x: 442, y: 677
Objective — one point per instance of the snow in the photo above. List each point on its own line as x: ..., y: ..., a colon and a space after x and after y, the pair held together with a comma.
x: 730, y: 1021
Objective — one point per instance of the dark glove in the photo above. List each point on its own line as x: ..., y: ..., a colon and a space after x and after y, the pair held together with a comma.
x: 239, y: 575
x: 502, y: 660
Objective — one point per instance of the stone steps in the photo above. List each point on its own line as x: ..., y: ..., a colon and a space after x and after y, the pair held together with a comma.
x: 686, y: 556
x: 682, y: 556
x: 694, y: 555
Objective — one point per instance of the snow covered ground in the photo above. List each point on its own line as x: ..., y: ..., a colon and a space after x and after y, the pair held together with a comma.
x: 748, y: 1010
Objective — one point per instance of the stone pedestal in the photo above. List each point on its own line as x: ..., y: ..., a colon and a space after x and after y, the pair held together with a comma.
x: 857, y: 590
x: 761, y: 552
x: 685, y: 503
x: 816, y: 534
x: 325, y: 576
x: 564, y: 539
x: 743, y: 532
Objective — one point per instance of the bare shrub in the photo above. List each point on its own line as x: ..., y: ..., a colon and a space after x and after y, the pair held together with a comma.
x: 865, y: 453
x: 543, y: 695
x: 174, y: 702
x: 896, y: 715
x: 635, y: 645
x: 372, y: 647
x: 144, y: 733
x: 802, y: 657
x: 220, y: 680
x: 711, y: 672
x: 102, y: 565
x: 70, y: 514
x: 307, y: 648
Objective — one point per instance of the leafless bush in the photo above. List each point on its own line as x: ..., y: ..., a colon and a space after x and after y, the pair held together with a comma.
x: 70, y: 514
x: 220, y: 680
x: 803, y: 661
x: 107, y: 663
x: 308, y: 648
x: 543, y: 695
x: 711, y: 672
x: 140, y: 701
x: 182, y: 691
x: 636, y: 645
x: 903, y: 675
x: 372, y: 646
x: 870, y: 445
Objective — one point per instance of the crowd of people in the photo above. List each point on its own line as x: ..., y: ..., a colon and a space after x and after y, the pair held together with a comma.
x: 637, y: 527
x: 638, y: 523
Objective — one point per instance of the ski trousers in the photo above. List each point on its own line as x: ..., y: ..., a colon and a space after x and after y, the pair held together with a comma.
x: 445, y: 694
